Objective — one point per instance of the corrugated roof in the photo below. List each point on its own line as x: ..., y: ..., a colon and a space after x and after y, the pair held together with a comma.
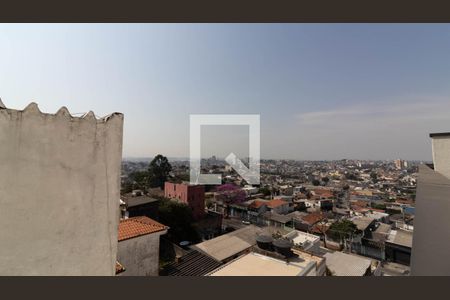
x: 193, y: 263
x: 313, y: 218
x: 276, y: 202
x: 258, y: 203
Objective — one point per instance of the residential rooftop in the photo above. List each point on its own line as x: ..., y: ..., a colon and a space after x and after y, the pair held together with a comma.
x: 302, y: 238
x: 138, y: 226
x: 342, y: 264
x: 277, y: 217
x: 401, y: 237
x: 227, y: 245
x: 276, y: 202
x: 132, y: 201
x: 254, y: 264
x: 194, y: 263
x: 363, y: 222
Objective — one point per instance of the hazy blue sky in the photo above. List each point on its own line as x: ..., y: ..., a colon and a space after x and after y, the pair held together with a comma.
x: 324, y: 91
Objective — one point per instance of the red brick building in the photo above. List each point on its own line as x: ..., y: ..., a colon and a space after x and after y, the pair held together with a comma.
x: 192, y: 195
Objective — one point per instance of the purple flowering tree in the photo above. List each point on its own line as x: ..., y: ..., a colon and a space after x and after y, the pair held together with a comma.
x: 230, y: 194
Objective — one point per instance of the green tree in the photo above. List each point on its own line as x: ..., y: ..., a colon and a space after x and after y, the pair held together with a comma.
x: 230, y: 194
x: 178, y: 216
x: 265, y: 191
x: 158, y: 171
x: 378, y: 205
x: 342, y: 230
x: 374, y: 177
x: 315, y: 182
x: 139, y: 179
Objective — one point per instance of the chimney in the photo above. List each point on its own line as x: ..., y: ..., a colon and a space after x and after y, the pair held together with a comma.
x: 441, y: 152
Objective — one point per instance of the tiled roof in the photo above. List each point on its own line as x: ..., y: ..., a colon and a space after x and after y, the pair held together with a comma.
x: 361, y: 203
x: 137, y: 226
x: 257, y: 204
x: 276, y: 202
x: 323, y: 193
x: 358, y: 208
x: 320, y: 228
x: 312, y: 218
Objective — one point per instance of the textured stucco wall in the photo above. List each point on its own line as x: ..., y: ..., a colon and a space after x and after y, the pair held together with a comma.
x: 59, y: 191
x: 441, y: 155
x: 140, y: 255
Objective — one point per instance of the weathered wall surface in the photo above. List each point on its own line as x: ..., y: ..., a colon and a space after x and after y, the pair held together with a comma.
x: 140, y: 255
x: 192, y: 195
x: 441, y: 154
x: 59, y: 191
x: 431, y: 242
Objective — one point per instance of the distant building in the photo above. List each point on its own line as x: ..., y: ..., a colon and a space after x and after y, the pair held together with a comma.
x: 398, y: 246
x: 431, y: 243
x: 256, y: 210
x: 286, y: 190
x: 139, y: 205
x: 305, y: 241
x: 192, y: 195
x: 138, y: 250
x: 210, y: 225
x: 400, y: 164
x: 306, y: 222
x: 278, y: 206
x: 250, y: 190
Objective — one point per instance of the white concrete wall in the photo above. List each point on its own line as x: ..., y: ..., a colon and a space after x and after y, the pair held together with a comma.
x: 441, y: 154
x: 140, y: 255
x: 59, y: 192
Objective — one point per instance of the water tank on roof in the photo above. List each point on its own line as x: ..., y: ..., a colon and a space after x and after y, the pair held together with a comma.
x: 283, y: 247
x: 264, y: 242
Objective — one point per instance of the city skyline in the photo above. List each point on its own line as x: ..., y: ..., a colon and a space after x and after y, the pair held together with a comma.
x: 324, y: 91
